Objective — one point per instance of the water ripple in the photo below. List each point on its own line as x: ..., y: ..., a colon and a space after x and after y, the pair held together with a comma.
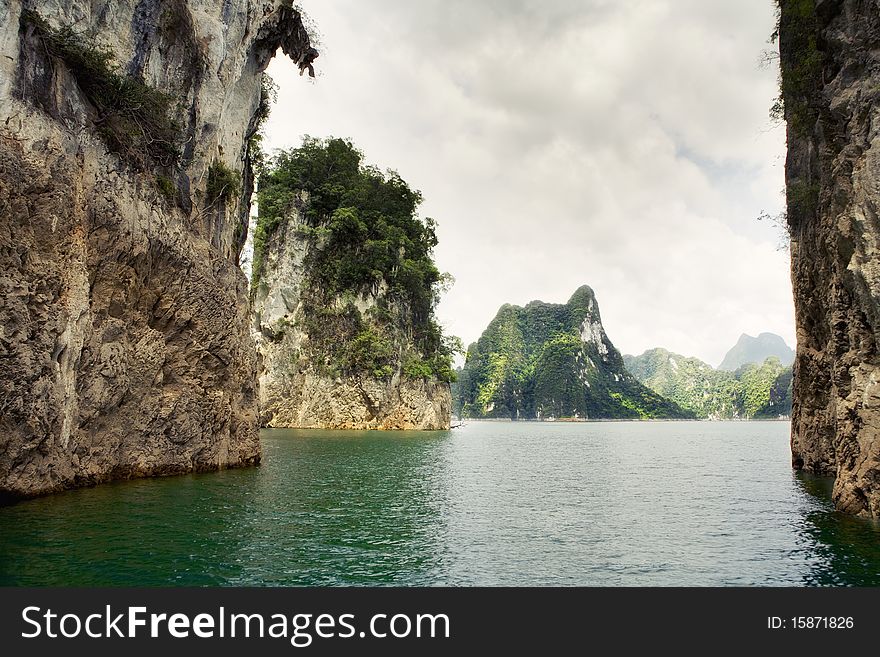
x: 653, y: 504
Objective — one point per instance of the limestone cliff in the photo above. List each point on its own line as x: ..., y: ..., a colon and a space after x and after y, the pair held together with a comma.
x: 830, y: 56
x: 343, y: 296
x: 124, y: 342
x: 553, y: 360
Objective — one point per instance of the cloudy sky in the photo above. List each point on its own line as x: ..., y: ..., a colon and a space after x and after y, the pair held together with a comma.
x: 624, y: 144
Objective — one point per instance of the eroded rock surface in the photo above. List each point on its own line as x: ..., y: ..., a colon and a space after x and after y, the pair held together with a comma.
x: 124, y: 341
x: 830, y: 52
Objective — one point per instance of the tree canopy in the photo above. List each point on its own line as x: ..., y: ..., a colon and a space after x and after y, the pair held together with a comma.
x: 366, y: 239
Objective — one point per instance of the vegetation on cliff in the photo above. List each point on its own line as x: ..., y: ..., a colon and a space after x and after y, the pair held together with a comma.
x: 752, y: 391
x: 224, y: 184
x: 801, y: 65
x: 552, y: 360
x: 134, y: 119
x: 800, y: 97
x: 366, y: 241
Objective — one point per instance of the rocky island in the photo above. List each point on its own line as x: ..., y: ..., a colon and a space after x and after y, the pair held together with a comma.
x: 344, y: 290
x: 549, y: 360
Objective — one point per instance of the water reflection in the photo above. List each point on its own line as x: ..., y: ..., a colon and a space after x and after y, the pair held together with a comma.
x: 846, y: 550
x: 322, y: 510
x: 336, y: 508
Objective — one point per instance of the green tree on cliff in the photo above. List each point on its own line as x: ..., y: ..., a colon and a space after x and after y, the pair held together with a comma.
x: 367, y: 239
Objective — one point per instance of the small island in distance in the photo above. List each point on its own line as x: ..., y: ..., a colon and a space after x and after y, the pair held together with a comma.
x: 555, y: 362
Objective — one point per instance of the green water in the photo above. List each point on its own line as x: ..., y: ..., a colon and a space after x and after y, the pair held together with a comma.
x: 690, y: 503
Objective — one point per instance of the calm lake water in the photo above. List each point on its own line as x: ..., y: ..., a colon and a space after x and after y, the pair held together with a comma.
x: 689, y: 503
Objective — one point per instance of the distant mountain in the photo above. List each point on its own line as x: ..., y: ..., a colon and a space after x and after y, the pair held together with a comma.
x: 757, y: 350
x: 753, y: 391
x: 552, y: 360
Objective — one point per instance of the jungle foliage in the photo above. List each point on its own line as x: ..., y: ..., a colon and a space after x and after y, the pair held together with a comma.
x: 366, y: 240
x: 753, y: 391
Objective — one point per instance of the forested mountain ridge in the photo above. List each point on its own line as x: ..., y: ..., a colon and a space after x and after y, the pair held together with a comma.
x: 549, y: 360
x: 752, y: 391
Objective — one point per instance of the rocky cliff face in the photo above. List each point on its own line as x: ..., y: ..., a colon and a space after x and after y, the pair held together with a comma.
x: 124, y: 342
x: 830, y: 55
x: 295, y: 390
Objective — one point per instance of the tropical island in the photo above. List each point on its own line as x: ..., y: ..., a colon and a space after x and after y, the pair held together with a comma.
x: 553, y: 361
x: 344, y: 291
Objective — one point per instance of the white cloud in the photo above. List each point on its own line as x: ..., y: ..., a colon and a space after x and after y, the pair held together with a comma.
x: 625, y: 145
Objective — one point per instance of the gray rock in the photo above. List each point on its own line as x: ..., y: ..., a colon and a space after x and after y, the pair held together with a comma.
x: 124, y: 341
x: 756, y: 350
x: 831, y: 68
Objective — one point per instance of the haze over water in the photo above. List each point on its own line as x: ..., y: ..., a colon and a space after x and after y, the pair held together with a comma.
x: 492, y: 503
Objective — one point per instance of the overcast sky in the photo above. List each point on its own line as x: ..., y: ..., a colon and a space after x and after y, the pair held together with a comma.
x: 624, y: 144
